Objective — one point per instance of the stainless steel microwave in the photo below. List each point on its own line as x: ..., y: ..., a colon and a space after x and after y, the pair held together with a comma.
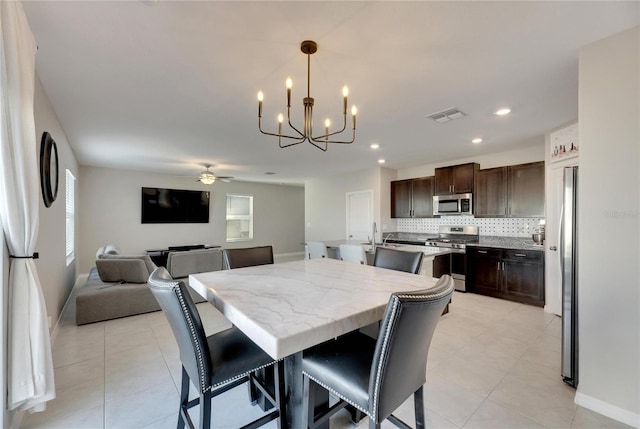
x: 449, y: 205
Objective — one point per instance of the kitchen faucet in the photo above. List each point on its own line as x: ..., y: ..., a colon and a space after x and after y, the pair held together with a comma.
x: 386, y: 238
x: 373, y: 238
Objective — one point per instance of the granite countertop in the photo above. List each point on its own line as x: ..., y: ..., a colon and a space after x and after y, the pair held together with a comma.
x: 517, y: 243
x: 521, y: 243
x: 428, y: 251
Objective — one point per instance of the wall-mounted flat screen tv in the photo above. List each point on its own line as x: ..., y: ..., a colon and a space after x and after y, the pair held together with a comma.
x: 174, y: 206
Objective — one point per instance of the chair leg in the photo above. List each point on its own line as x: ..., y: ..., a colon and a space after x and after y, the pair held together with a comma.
x: 184, y: 398
x: 205, y: 410
x: 280, y: 394
x: 373, y: 424
x: 418, y: 402
x: 307, y: 401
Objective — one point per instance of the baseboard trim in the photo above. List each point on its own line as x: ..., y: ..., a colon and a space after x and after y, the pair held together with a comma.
x: 80, y: 280
x: 278, y: 256
x: 606, y: 409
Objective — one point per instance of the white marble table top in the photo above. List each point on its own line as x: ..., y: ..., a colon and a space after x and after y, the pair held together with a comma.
x: 286, y: 308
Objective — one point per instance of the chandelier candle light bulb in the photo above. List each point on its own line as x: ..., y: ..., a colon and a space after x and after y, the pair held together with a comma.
x: 305, y: 133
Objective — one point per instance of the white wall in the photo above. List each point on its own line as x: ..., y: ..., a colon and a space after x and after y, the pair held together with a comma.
x: 532, y: 151
x: 56, y: 277
x: 110, y: 207
x: 609, y: 212
x: 325, y: 202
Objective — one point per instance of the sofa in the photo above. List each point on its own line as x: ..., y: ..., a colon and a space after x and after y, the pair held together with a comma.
x: 117, y: 286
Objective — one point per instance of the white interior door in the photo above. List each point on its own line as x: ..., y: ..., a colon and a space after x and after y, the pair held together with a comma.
x: 553, y: 274
x: 359, y: 215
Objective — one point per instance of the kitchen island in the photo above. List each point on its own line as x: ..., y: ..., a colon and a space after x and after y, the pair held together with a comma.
x: 430, y: 253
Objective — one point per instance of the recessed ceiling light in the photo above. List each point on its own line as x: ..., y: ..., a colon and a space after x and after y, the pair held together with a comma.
x: 374, y: 146
x: 476, y: 140
x: 269, y: 173
x: 381, y: 161
x: 503, y: 111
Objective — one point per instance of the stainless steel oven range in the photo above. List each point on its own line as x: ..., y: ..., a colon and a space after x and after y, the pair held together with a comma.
x: 456, y: 237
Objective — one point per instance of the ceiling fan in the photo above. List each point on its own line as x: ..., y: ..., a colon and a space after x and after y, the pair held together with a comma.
x: 207, y: 177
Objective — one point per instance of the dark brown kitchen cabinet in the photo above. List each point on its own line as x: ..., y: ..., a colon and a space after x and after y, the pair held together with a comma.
x: 526, y: 190
x: 490, y: 196
x: 457, y: 179
x: 516, y: 275
x: 412, y: 198
x: 513, y: 191
x: 441, y: 265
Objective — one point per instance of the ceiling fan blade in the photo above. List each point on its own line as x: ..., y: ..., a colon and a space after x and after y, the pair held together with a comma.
x: 224, y: 177
x: 224, y: 180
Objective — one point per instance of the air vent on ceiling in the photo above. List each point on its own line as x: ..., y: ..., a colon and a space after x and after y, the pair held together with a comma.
x: 447, y: 115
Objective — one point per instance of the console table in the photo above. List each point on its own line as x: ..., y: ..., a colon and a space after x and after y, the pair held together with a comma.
x: 159, y: 256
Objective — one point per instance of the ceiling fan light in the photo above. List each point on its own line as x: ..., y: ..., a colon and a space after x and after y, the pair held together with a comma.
x: 207, y: 178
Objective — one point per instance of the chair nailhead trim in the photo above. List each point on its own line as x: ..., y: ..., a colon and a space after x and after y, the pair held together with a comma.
x: 194, y: 339
x: 336, y: 393
x: 383, y: 355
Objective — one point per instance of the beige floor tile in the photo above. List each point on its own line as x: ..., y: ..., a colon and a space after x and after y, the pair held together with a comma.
x: 127, y: 325
x: 450, y: 401
x: 70, y: 400
x: 137, y: 378
x: 133, y: 357
x: 550, y: 407
x: 124, y: 341
x: 74, y: 352
x: 478, y: 377
x: 141, y: 408
x: 493, y: 416
x: 76, y: 373
x: 92, y: 418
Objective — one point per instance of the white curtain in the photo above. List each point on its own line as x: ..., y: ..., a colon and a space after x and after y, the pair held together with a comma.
x: 30, y: 367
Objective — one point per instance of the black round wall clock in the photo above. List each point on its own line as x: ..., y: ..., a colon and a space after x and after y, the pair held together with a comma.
x: 48, y: 169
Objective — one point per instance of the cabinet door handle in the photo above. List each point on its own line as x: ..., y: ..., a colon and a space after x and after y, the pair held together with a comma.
x: 498, y: 265
x: 453, y: 188
x: 502, y: 266
x: 554, y: 248
x: 482, y: 251
x: 522, y: 255
x: 505, y: 210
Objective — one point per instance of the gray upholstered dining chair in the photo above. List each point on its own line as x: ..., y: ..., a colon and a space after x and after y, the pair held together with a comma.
x: 353, y: 253
x: 215, y: 364
x: 377, y: 376
x: 316, y: 250
x: 248, y: 257
x: 398, y: 260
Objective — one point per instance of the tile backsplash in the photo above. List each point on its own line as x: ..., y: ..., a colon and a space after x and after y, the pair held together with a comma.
x: 500, y: 227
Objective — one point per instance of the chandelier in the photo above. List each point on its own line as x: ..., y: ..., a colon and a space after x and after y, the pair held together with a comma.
x: 308, y: 47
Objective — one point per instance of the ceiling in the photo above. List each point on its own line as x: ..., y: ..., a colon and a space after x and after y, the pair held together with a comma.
x: 166, y: 87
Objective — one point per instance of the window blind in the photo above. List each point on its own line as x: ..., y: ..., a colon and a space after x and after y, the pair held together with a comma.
x: 70, y: 214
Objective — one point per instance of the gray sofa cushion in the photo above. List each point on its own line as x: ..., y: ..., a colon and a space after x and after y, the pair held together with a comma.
x: 122, y: 270
x: 181, y: 264
x: 145, y: 258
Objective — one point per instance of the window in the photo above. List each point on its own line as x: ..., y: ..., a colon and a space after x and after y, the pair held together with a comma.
x: 239, y: 217
x: 70, y: 216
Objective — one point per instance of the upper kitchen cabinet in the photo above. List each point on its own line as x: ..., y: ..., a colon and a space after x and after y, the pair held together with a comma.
x: 412, y: 198
x: 490, y: 195
x: 513, y: 191
x: 457, y: 179
x: 526, y: 190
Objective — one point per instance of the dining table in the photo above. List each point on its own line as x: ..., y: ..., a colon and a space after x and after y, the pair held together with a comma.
x: 286, y: 308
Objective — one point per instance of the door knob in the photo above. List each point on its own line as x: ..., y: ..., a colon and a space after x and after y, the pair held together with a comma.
x: 554, y: 248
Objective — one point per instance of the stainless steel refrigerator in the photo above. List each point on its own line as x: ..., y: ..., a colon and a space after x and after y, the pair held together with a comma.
x: 569, y: 267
